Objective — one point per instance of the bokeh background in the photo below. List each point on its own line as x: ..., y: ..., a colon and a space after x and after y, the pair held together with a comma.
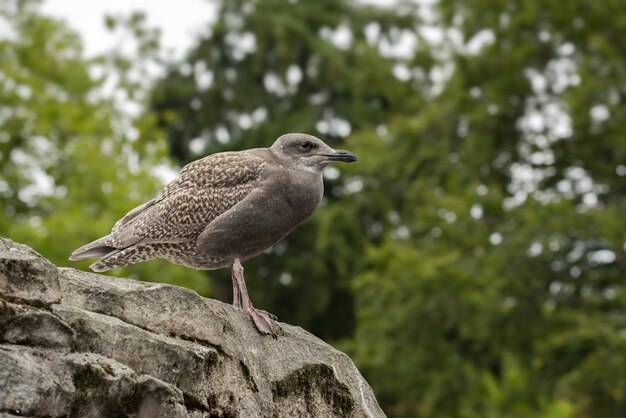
x: 472, y: 263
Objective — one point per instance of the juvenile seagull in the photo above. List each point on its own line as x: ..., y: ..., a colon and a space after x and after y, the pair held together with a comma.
x: 223, y: 209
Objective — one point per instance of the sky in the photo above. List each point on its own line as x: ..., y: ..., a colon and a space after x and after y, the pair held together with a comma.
x: 179, y: 21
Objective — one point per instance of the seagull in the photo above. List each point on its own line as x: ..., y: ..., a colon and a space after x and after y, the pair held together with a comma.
x: 221, y: 210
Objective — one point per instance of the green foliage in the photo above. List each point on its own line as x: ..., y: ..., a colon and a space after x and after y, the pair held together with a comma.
x: 472, y: 262
x: 482, y: 224
x: 489, y: 282
x: 71, y: 163
x: 264, y: 71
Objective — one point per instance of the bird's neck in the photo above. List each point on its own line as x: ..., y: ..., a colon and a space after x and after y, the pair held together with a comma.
x: 305, y: 191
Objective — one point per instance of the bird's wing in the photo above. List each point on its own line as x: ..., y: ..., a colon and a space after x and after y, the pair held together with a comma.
x: 217, y: 171
x: 205, y: 189
x: 133, y: 214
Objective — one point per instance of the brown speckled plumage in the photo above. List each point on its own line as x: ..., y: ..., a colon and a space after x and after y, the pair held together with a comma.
x: 223, y: 208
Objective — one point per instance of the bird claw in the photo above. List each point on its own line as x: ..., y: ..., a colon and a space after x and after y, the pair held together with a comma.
x: 271, y: 315
x: 262, y: 320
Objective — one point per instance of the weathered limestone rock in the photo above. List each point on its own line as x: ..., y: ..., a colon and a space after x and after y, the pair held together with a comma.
x: 85, y: 345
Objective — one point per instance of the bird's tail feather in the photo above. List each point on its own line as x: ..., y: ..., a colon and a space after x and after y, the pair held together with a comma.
x: 97, y: 248
x: 126, y: 256
x: 111, y: 257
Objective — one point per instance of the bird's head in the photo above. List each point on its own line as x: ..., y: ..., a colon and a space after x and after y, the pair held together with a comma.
x: 307, y: 152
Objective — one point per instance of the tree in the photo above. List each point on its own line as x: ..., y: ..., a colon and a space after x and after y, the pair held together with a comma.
x: 273, y: 67
x: 471, y: 263
x: 71, y: 162
x: 503, y: 258
x: 482, y: 225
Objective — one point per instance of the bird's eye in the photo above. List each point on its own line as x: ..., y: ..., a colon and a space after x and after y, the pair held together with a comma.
x: 306, y: 146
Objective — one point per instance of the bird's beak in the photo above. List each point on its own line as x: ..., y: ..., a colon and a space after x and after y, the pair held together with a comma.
x: 341, y: 155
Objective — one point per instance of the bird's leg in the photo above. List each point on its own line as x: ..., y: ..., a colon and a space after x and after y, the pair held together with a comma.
x: 236, y: 291
x: 236, y: 295
x: 262, y: 320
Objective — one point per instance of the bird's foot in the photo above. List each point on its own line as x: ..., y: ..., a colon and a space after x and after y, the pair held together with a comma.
x: 262, y: 320
x: 271, y: 315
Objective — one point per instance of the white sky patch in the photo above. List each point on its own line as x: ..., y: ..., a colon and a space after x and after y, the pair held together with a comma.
x: 535, y: 249
x: 30, y: 163
x: 449, y: 216
x: 259, y: 115
x: 401, y: 232
x: 273, y: 84
x: 354, y: 185
x: 164, y: 173
x: 398, y: 44
x: 481, y: 190
x: 334, y: 125
x: 566, y: 49
x: 222, y: 135
x: 244, y: 121
x: 476, y: 211
x: 6, y: 31
x: 439, y: 76
x: 546, y: 121
x: 372, y: 32
x: 601, y: 257
x: 331, y: 173
x: 561, y: 73
x: 524, y: 180
x: 241, y: 44
x: 482, y: 39
x: 179, y: 25
x: 434, y: 35
x: 197, y: 145
x: 203, y: 76
x: 401, y: 72
x: 179, y: 29
x: 285, y: 279
x: 294, y: 74
x: 495, y: 238
x: 341, y: 37
x: 378, y: 3
x: 317, y: 99
x: 455, y: 38
x: 600, y: 113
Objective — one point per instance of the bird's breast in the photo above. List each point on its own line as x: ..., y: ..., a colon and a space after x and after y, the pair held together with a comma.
x: 263, y: 218
x: 303, y: 195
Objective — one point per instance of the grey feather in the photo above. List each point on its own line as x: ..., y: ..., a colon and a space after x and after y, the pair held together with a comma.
x: 221, y: 207
x: 97, y: 248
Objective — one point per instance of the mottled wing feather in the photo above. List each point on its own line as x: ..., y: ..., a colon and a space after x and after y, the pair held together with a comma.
x: 130, y: 216
x: 205, y: 189
x: 223, y: 170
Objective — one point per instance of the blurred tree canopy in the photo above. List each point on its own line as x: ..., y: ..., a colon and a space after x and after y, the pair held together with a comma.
x: 273, y: 67
x: 71, y: 160
x: 472, y: 262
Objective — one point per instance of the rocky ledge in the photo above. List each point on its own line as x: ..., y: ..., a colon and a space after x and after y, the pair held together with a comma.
x: 86, y: 345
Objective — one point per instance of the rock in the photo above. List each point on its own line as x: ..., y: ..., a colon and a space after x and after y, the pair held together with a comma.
x: 26, y: 276
x: 34, y: 327
x: 81, y: 344
x: 33, y: 383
